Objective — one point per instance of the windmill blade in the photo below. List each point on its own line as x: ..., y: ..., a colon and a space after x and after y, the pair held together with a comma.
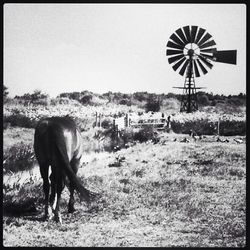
x: 208, y: 44
x: 206, y: 62
x: 205, y: 38
x: 176, y: 39
x: 178, y: 64
x: 196, y: 71
x: 173, y: 52
x: 174, y: 45
x: 207, y: 56
x: 226, y: 56
x: 199, y: 35
x: 209, y: 50
x: 187, y: 33
x: 175, y: 58
x: 193, y: 33
x: 185, y: 65
x: 181, y: 35
x: 210, y: 57
x: 202, y: 67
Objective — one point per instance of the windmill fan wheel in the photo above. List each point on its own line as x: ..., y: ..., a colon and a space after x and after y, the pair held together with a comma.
x: 191, y: 43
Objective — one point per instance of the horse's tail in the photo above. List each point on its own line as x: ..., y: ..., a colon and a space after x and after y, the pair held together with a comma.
x: 61, y: 156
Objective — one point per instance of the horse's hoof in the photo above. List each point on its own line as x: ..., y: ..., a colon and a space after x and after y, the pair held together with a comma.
x: 71, y: 210
x: 58, y: 218
x: 48, y: 214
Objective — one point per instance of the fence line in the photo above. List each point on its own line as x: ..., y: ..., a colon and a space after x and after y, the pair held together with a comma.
x: 157, y: 120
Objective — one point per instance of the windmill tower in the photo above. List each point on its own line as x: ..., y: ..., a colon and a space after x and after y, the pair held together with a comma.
x: 192, y: 49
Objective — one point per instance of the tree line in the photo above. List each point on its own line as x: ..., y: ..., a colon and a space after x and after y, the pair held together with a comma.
x: 151, y: 101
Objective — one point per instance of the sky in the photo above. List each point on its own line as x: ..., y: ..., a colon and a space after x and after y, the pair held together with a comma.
x: 60, y: 48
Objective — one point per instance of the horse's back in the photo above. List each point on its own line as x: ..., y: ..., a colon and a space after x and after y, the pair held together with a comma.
x: 57, y: 130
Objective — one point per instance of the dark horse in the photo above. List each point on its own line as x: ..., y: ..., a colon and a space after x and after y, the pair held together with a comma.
x: 58, y: 143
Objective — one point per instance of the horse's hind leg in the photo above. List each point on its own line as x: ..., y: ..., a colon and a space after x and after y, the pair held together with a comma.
x: 59, y: 188
x: 71, y: 207
x: 53, y: 189
x: 44, y: 169
x: 74, y: 165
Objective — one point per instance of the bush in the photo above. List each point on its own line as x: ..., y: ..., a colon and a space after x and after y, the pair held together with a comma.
x: 107, y: 123
x: 145, y: 134
x: 203, y: 100
x: 86, y: 100
x: 37, y: 98
x: 18, y: 158
x: 152, y: 105
x: 19, y: 120
x: 127, y: 135
x: 229, y: 128
x: 5, y: 93
x: 125, y: 102
x: 60, y: 100
x: 206, y: 127
x: 82, y: 123
x: 42, y: 101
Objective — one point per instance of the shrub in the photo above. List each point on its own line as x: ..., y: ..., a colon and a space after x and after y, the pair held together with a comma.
x: 42, y: 101
x: 5, y: 93
x: 203, y: 100
x: 19, y: 120
x: 206, y: 127
x: 152, y: 105
x: 125, y: 102
x: 203, y: 126
x: 60, y: 100
x: 82, y: 123
x: 228, y: 128
x: 37, y: 98
x: 18, y: 158
x: 86, y: 100
x: 127, y: 135
x: 107, y: 123
x: 145, y: 134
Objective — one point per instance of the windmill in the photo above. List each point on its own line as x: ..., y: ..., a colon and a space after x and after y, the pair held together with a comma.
x: 192, y: 50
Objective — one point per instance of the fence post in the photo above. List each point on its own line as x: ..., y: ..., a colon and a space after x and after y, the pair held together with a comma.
x: 218, y: 131
x: 169, y: 122
x: 99, y: 120
x: 95, y: 119
x: 126, y: 120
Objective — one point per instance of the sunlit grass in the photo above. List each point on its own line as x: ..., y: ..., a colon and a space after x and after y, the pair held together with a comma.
x: 165, y: 194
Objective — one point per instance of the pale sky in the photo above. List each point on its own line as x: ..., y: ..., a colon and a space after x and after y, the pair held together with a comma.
x: 115, y: 47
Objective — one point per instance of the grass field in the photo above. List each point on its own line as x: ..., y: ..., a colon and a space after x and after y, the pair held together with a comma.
x: 169, y: 194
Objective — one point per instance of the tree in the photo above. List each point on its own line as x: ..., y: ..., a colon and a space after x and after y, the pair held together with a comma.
x: 203, y: 100
x: 86, y: 99
x: 153, y: 104
x: 5, y: 92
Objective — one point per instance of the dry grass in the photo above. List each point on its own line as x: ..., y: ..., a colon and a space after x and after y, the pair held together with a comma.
x: 13, y: 135
x: 166, y: 194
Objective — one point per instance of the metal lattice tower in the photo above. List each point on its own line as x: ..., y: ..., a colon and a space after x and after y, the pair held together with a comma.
x: 189, y: 99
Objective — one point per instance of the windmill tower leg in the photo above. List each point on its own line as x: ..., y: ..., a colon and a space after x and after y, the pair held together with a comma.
x: 189, y: 98
x: 189, y: 101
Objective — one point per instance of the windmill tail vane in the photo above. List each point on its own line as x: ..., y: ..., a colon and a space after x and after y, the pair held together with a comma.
x: 191, y: 51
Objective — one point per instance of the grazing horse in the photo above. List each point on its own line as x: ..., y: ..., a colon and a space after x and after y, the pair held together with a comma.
x: 58, y: 143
